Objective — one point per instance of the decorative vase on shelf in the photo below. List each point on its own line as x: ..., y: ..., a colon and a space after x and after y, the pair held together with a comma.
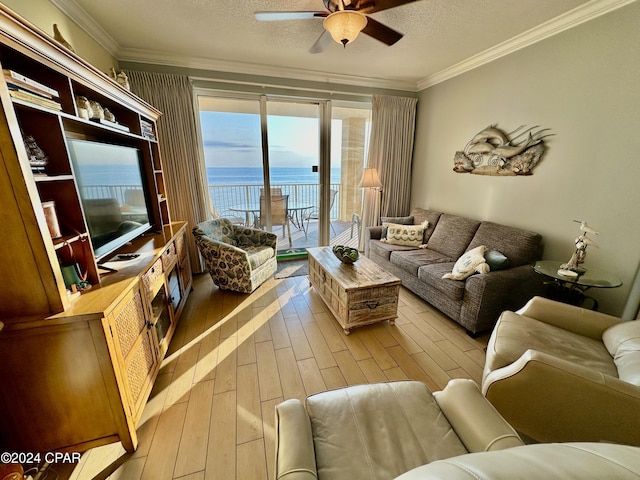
x: 37, y: 158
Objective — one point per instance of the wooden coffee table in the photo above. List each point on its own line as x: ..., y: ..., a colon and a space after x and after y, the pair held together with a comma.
x: 357, y: 294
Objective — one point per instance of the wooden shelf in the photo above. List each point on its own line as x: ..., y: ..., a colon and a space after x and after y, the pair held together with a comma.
x: 53, y: 178
x: 91, y: 358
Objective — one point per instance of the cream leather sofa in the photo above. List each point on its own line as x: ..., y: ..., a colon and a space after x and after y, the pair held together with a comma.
x: 401, y: 430
x: 559, y: 373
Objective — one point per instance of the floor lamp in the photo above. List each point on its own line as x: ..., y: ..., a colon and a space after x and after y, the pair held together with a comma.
x: 371, y: 208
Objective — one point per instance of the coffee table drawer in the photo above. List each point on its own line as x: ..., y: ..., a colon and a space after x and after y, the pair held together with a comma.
x: 380, y: 305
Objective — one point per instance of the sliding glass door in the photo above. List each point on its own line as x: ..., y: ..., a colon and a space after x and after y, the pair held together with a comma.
x: 231, y: 139
x: 294, y: 161
x: 286, y: 165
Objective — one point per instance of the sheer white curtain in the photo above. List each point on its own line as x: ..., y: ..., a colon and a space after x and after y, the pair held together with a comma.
x: 393, y: 123
x: 184, y: 175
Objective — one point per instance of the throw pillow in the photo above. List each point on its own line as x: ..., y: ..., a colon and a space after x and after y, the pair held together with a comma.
x: 471, y: 262
x: 407, y: 235
x: 496, y: 260
x: 623, y: 342
x: 398, y: 220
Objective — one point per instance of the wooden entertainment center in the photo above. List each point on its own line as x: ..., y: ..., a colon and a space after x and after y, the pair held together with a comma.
x: 77, y: 368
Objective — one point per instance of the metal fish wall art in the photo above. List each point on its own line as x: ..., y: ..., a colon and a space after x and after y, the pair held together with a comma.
x: 494, y: 152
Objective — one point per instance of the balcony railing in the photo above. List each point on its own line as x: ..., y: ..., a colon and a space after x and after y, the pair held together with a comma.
x: 226, y: 196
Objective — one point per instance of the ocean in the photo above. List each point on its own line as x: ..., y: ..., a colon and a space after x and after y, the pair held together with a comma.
x: 229, y: 186
x: 253, y: 175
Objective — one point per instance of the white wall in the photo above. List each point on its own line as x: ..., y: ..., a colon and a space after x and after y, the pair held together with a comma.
x: 584, y: 84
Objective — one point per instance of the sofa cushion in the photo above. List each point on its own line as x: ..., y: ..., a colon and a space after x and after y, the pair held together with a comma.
x: 259, y: 255
x: 370, y: 422
x: 384, y: 250
x: 469, y: 263
x: 452, y: 235
x: 516, y: 334
x: 420, y: 215
x: 496, y: 260
x: 412, y: 260
x: 623, y: 343
x: 409, y: 235
x: 432, y: 276
x: 398, y: 220
x: 519, y: 246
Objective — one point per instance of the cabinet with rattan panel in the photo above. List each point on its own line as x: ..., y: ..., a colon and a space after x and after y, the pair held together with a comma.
x: 135, y: 351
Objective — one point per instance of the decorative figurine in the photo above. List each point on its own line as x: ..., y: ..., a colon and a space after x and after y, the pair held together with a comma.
x: 98, y: 111
x: 84, y: 107
x: 37, y: 158
x: 109, y: 116
x: 121, y: 78
x: 573, y: 267
x: 60, y: 39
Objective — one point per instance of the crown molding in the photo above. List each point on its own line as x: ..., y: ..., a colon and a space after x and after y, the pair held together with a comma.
x: 566, y: 21
x: 571, y: 19
x: 157, y: 58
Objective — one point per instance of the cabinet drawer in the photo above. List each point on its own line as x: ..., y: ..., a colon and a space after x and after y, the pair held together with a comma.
x: 169, y: 256
x: 153, y: 278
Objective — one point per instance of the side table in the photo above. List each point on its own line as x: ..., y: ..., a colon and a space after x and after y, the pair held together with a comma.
x: 569, y: 289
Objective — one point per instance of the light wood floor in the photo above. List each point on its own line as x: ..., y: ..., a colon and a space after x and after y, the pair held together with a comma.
x: 234, y: 357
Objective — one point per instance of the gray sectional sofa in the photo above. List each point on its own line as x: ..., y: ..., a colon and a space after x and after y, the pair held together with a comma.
x: 476, y: 302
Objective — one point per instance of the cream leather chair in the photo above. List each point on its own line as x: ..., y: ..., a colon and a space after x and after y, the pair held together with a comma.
x: 560, y: 373
x: 380, y: 431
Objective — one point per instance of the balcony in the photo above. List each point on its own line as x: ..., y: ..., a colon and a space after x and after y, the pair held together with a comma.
x: 344, y: 230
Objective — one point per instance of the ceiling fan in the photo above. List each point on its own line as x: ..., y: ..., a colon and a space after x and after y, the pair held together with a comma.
x: 344, y: 20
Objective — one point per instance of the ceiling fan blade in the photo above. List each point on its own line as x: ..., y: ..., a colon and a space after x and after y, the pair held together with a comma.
x: 272, y: 16
x: 372, y: 6
x: 381, y: 32
x: 323, y: 41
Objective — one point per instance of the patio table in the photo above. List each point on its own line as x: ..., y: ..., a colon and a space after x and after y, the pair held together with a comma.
x: 294, y: 211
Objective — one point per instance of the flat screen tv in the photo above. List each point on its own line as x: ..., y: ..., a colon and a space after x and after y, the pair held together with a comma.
x: 110, y: 180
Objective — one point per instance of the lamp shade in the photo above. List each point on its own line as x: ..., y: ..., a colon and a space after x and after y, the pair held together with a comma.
x: 345, y: 25
x: 370, y: 178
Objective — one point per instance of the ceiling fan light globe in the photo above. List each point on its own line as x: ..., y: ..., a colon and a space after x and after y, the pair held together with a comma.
x: 345, y: 25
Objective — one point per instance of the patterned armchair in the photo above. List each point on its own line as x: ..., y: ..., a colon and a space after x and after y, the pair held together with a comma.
x: 238, y: 258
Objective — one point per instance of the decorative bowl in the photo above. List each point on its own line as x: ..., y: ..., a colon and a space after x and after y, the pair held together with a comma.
x: 346, y: 254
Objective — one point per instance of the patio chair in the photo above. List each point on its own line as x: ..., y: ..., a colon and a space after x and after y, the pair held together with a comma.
x: 315, y: 214
x: 279, y: 214
x: 238, y: 258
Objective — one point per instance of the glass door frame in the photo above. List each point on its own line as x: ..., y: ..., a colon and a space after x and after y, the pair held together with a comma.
x: 324, y: 154
x: 324, y: 158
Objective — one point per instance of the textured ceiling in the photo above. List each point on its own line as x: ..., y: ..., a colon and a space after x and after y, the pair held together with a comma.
x: 224, y: 35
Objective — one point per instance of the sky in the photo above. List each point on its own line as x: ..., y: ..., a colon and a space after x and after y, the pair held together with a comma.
x: 233, y: 140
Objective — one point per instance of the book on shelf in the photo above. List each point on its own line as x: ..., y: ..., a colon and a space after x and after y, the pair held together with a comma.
x: 27, y: 83
x: 35, y: 99
x: 147, y: 130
